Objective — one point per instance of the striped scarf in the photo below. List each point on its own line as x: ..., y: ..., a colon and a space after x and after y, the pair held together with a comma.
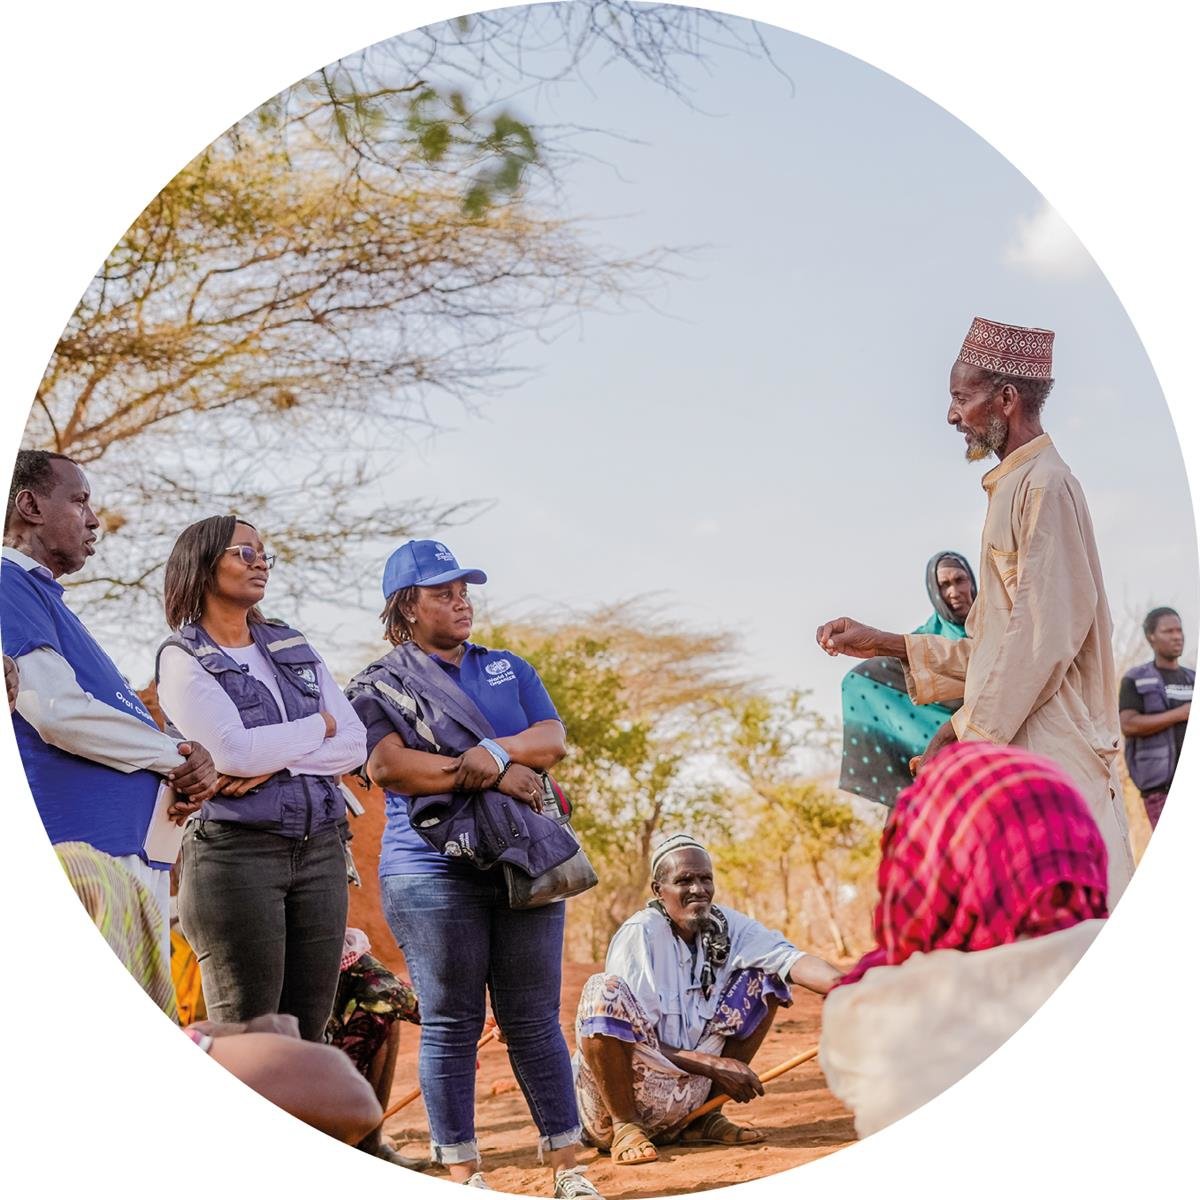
x: 714, y: 941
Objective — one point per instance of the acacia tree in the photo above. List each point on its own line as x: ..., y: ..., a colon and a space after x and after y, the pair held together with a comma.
x: 453, y: 84
x: 257, y: 316
x: 800, y: 846
x: 307, y: 293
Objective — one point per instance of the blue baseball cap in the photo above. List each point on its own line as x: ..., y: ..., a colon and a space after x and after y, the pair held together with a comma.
x: 424, y: 563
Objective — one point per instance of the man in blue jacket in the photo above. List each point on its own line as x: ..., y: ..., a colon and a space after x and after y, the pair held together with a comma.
x: 1155, y: 702
x: 93, y: 755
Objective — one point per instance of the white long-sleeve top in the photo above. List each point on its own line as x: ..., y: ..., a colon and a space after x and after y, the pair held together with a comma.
x: 66, y: 716
x: 200, y: 708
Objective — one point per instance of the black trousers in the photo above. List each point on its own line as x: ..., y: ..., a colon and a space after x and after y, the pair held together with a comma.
x: 266, y: 916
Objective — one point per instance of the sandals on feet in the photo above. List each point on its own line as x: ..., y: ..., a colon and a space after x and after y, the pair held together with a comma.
x: 716, y: 1129
x: 630, y: 1145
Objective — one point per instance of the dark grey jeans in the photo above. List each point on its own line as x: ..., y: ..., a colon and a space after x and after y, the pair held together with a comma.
x: 266, y: 916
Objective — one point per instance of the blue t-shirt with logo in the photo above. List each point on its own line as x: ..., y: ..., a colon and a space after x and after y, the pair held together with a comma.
x: 77, y: 799
x: 507, y: 690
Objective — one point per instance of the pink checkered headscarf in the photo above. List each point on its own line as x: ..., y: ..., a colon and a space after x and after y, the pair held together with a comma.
x: 990, y: 845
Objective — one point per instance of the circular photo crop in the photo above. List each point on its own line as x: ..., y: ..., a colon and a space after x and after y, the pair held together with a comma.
x: 582, y: 606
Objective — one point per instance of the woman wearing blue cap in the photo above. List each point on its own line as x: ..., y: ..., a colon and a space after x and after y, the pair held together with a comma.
x: 460, y: 938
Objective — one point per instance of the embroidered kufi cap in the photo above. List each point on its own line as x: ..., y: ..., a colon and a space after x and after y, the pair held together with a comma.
x: 677, y: 841
x: 1027, y: 353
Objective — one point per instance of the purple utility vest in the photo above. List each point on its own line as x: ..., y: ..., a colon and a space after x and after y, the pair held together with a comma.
x: 1151, y: 759
x: 295, y: 806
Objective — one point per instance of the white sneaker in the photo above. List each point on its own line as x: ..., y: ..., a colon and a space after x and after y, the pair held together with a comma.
x: 477, y: 1181
x: 570, y: 1183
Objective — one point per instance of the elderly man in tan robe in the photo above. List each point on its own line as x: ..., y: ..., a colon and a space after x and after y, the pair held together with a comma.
x: 1036, y: 668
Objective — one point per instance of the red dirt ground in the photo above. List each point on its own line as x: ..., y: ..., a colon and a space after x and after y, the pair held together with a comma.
x: 802, y: 1120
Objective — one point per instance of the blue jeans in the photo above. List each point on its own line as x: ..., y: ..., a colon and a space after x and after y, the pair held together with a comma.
x: 460, y: 941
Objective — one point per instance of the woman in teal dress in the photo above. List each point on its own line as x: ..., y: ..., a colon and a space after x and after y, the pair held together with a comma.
x: 882, y: 728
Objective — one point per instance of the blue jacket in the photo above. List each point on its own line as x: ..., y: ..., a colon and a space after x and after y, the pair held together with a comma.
x: 1152, y: 758
x: 295, y: 806
x: 430, y: 711
x: 78, y: 800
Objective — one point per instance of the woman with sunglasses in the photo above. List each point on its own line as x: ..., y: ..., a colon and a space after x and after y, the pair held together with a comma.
x: 262, y: 895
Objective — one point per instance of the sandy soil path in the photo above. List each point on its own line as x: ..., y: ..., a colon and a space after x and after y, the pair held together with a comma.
x: 802, y: 1120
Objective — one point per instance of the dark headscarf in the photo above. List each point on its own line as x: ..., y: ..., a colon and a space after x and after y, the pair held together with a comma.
x: 882, y: 728
x: 931, y: 582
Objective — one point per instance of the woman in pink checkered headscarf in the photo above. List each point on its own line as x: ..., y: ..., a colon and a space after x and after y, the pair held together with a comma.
x: 992, y: 884
x: 988, y: 846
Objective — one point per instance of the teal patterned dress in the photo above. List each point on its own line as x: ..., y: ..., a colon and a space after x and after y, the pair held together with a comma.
x: 882, y: 729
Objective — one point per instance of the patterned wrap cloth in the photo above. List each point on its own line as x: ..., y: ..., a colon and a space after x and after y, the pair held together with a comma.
x: 989, y: 846
x: 369, y: 1000
x: 125, y: 913
x: 665, y: 1096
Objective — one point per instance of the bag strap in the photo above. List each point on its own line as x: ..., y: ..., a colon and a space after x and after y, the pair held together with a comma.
x: 556, y: 796
x: 412, y: 662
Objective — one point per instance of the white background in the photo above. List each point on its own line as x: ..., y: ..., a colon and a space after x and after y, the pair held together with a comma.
x: 1097, y: 107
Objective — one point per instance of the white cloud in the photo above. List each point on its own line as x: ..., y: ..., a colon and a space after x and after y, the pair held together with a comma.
x: 706, y: 528
x: 1044, y: 244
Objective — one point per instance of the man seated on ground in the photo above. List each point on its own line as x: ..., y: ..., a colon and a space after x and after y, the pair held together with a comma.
x: 687, y: 996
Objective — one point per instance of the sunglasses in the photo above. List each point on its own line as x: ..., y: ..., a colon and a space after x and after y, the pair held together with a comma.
x: 250, y: 556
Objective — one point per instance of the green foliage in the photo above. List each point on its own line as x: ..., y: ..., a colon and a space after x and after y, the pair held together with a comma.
x: 486, y: 153
x: 641, y: 701
x: 623, y: 769
x: 803, y: 857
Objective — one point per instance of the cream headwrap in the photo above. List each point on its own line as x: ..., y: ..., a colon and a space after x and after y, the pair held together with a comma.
x: 671, y: 843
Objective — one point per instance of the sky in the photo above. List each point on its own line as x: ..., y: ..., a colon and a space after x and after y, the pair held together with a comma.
x: 767, y: 448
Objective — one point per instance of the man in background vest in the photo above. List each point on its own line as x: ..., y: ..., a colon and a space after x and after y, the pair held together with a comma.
x: 93, y: 755
x: 1155, y: 702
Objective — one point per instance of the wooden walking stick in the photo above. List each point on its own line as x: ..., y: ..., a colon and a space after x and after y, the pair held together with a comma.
x: 491, y: 1035
x: 715, y: 1102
